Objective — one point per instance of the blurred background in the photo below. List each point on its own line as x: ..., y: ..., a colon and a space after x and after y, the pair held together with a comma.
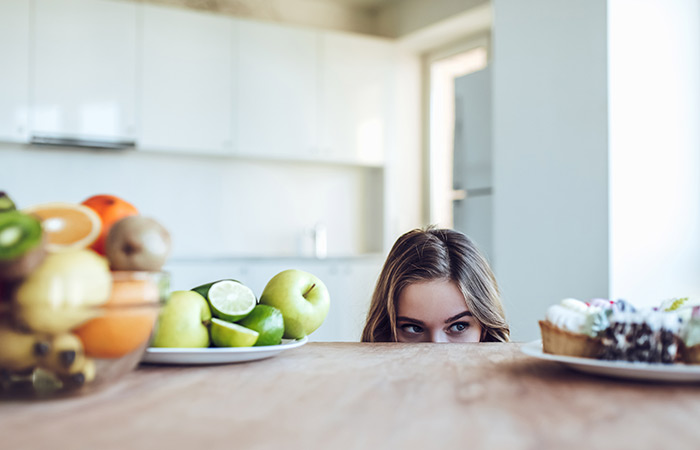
x: 562, y: 136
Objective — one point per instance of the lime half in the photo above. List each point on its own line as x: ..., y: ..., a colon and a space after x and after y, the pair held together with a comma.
x: 231, y: 300
x: 203, y: 290
x: 227, y: 334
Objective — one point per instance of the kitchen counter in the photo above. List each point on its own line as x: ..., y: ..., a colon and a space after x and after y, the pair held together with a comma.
x: 365, y: 396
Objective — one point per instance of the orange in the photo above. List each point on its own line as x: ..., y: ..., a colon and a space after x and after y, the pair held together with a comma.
x: 110, y: 209
x: 128, y: 320
x: 67, y: 226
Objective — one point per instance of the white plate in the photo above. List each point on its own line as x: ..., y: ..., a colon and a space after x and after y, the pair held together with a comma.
x: 222, y: 355
x: 619, y: 369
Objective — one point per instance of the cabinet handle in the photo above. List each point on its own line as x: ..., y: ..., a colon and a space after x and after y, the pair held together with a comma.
x: 463, y: 194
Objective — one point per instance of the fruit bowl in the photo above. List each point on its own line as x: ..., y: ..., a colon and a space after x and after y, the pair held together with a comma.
x: 70, y: 335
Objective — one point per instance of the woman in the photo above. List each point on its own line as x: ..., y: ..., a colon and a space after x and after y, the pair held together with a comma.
x: 435, y: 286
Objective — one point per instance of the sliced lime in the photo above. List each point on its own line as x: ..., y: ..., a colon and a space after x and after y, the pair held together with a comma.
x: 231, y: 300
x: 227, y: 334
x: 203, y: 290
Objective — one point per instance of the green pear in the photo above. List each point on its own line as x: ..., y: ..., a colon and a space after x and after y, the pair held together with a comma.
x: 183, y: 322
x: 302, y: 298
x: 63, y: 291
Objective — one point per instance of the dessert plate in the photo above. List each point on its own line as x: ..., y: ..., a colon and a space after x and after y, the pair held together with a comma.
x: 220, y: 355
x: 678, y: 372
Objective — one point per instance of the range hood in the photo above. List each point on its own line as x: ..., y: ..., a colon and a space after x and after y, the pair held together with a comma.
x: 86, y: 142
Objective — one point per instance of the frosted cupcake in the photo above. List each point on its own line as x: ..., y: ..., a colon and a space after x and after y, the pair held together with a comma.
x: 691, y: 338
x: 572, y: 327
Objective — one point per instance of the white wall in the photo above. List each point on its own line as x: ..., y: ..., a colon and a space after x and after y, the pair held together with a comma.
x: 550, y: 155
x: 654, y: 69
x: 212, y: 206
x: 404, y: 169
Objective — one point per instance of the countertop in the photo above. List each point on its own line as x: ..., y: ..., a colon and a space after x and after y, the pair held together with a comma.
x: 365, y: 396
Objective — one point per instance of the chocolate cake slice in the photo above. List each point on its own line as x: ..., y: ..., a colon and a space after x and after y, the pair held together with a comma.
x: 642, y: 336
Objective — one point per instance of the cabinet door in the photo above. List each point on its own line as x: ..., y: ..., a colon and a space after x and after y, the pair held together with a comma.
x: 277, y: 91
x: 186, y: 81
x: 84, y: 73
x: 14, y: 76
x: 355, y: 88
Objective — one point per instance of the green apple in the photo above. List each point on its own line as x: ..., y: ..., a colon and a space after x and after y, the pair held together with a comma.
x: 302, y: 298
x: 183, y: 322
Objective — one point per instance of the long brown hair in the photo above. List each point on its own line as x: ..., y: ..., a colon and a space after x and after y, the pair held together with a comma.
x: 436, y: 254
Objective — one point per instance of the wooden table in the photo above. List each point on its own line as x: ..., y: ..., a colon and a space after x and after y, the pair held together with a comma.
x: 365, y: 396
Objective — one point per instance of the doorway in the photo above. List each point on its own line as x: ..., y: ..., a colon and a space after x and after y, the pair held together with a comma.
x: 459, y: 119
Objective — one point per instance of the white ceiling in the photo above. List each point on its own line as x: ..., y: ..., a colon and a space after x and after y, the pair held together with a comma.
x: 362, y: 3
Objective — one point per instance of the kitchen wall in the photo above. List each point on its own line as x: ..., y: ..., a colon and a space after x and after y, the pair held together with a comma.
x: 550, y: 155
x: 596, y: 161
x: 213, y: 206
x: 654, y: 72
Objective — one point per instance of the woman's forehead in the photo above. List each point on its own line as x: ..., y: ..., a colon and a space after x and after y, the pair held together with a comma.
x: 435, y: 300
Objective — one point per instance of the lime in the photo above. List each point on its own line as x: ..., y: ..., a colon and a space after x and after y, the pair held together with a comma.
x: 203, y: 290
x: 266, y: 320
x: 230, y: 300
x: 227, y: 334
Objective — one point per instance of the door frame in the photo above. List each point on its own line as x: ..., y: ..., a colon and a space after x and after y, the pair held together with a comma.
x: 462, y: 45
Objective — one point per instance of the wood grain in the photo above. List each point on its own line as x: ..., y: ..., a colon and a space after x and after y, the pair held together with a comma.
x: 343, y: 395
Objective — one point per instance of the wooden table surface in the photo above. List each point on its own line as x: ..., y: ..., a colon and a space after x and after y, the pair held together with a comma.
x: 365, y: 396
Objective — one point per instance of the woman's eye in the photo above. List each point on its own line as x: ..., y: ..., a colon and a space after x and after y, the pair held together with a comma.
x: 411, y: 329
x: 458, y: 327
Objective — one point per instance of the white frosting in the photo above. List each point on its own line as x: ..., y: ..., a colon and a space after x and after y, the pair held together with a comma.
x: 574, y: 305
x: 656, y: 320
x: 568, y: 315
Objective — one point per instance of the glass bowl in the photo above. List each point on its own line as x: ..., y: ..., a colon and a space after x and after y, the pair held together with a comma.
x: 63, y: 336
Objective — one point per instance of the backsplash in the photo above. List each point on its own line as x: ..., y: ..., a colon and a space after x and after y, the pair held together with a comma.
x: 213, y: 206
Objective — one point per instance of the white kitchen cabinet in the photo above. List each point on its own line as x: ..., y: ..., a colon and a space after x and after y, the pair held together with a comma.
x: 187, y: 79
x: 14, y: 76
x: 355, y: 85
x: 277, y: 91
x: 84, y: 69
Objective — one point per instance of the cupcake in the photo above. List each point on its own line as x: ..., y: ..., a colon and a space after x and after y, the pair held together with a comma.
x: 648, y: 335
x: 691, y: 338
x: 572, y: 327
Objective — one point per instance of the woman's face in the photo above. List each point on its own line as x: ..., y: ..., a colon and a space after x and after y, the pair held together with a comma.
x: 435, y: 311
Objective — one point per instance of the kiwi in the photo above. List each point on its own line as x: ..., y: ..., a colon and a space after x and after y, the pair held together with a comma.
x: 137, y: 243
x: 6, y: 203
x: 21, y: 244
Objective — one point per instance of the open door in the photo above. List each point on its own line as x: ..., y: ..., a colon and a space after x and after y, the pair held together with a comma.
x: 472, y: 164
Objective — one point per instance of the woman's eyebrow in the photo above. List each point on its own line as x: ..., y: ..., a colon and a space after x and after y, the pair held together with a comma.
x: 460, y: 315
x: 408, y: 319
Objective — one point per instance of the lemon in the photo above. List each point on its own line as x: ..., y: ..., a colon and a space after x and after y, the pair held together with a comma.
x: 227, y: 334
x: 230, y: 300
x: 268, y: 321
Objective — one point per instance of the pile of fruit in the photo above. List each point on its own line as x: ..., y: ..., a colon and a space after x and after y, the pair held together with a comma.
x: 226, y: 313
x: 79, y: 286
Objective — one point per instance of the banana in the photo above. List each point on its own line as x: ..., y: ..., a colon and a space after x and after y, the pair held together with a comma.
x: 80, y: 375
x: 21, y: 351
x: 66, y: 356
